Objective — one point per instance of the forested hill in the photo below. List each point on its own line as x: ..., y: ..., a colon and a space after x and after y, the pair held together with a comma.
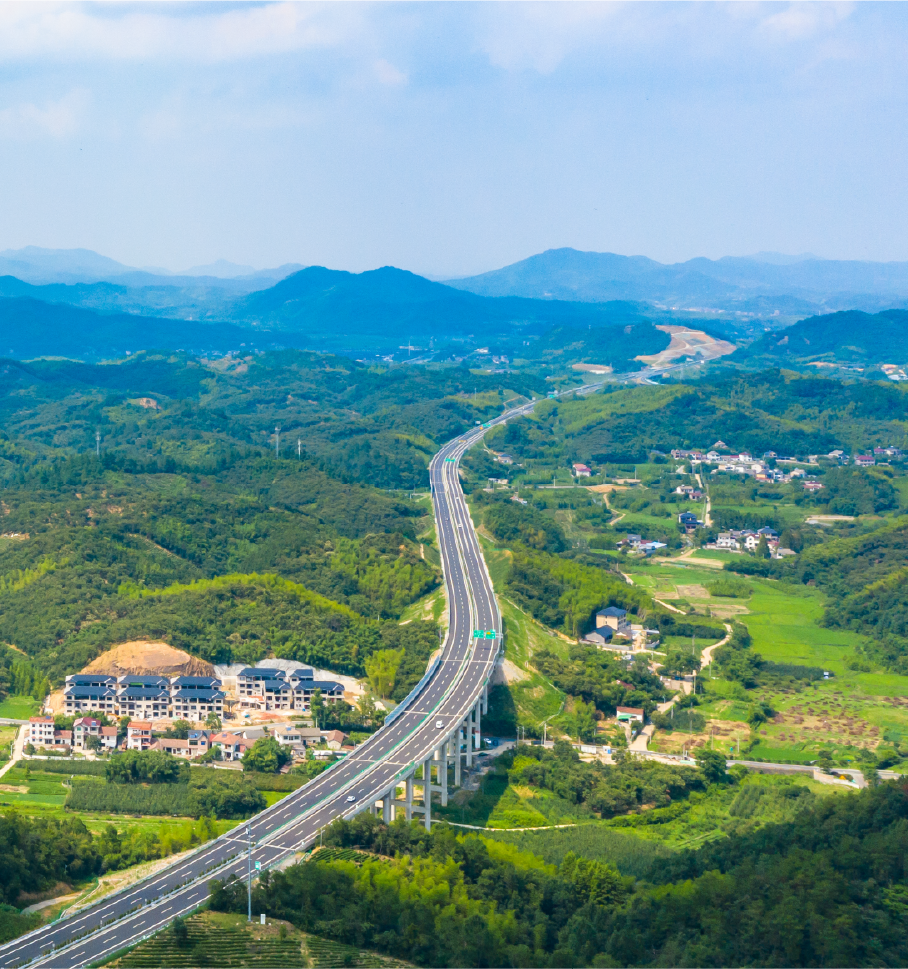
x: 769, y: 411
x: 31, y: 328
x: 192, y: 528
x: 862, y: 338
x: 374, y: 424
x: 340, y: 309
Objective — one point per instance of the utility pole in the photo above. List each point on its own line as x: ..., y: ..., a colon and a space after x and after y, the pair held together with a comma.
x: 249, y: 872
x: 98, y: 443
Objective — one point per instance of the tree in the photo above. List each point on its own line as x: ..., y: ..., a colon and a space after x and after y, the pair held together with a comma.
x: 762, y: 549
x: 712, y: 763
x: 680, y: 661
x: 266, y: 756
x: 180, y: 931
x: 584, y: 714
x: 381, y: 668
x: 92, y: 742
x: 317, y: 706
x: 213, y: 721
x: 150, y: 766
x: 179, y: 730
x: 368, y: 711
x: 871, y: 775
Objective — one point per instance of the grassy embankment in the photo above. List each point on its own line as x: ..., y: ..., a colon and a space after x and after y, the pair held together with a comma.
x: 221, y: 939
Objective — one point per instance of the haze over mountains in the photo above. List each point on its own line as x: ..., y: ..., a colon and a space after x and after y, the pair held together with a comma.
x: 763, y: 284
x: 80, y: 303
x: 32, y: 264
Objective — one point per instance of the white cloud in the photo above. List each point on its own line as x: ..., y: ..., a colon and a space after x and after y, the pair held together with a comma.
x: 55, y: 118
x: 514, y: 34
x: 537, y: 36
x: 801, y: 20
x: 388, y: 74
x: 77, y: 32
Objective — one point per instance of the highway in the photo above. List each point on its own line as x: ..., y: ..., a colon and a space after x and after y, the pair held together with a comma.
x: 350, y: 786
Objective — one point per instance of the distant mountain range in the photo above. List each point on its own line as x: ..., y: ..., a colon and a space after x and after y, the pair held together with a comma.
x: 41, y: 266
x: 30, y: 328
x: 557, y: 306
x: 315, y: 308
x: 389, y: 306
x: 763, y: 284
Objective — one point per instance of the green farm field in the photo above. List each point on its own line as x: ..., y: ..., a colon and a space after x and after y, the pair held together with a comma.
x: 850, y: 711
x: 19, y: 707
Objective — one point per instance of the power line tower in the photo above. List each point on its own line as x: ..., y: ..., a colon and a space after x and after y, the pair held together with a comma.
x: 299, y: 448
x: 277, y: 440
x: 98, y: 443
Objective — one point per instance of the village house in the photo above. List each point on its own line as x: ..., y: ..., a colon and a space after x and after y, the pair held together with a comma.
x: 41, y: 731
x: 630, y: 714
x: 138, y: 735
x: 266, y: 688
x: 582, y: 471
x: 615, y: 619
x: 231, y: 745
x: 599, y: 637
x: 864, y: 460
x: 195, y: 697
x: 90, y: 691
x: 689, y: 520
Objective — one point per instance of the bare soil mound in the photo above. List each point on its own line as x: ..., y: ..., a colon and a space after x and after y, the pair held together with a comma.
x: 142, y: 657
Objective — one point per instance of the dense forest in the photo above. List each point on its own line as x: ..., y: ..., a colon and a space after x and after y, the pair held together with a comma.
x: 39, y: 854
x: 768, y: 411
x: 264, y: 556
x: 783, y: 894
x: 172, y: 412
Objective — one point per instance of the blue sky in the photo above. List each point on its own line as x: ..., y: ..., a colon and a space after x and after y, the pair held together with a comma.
x: 453, y: 138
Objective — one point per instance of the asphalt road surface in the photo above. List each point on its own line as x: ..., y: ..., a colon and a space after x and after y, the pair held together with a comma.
x: 294, y: 822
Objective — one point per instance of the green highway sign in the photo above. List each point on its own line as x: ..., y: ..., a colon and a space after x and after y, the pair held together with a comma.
x: 449, y: 459
x: 484, y: 634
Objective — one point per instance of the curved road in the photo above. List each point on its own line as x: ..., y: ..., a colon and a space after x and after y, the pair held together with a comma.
x: 365, y: 775
x: 292, y: 824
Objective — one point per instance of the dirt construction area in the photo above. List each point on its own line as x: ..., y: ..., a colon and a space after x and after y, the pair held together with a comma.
x: 145, y: 658
x: 687, y: 343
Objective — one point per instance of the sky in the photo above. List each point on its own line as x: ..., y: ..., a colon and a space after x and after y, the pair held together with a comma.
x: 453, y: 138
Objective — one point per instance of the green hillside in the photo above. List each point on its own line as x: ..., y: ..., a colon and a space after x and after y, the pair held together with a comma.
x: 769, y: 411
x: 852, y: 336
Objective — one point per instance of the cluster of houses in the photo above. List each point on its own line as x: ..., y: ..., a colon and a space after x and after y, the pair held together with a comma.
x: 748, y: 539
x: 744, y: 463
x: 195, y: 697
x: 139, y: 736
x: 233, y: 744
x: 614, y: 632
x: 637, y: 543
x: 43, y: 733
